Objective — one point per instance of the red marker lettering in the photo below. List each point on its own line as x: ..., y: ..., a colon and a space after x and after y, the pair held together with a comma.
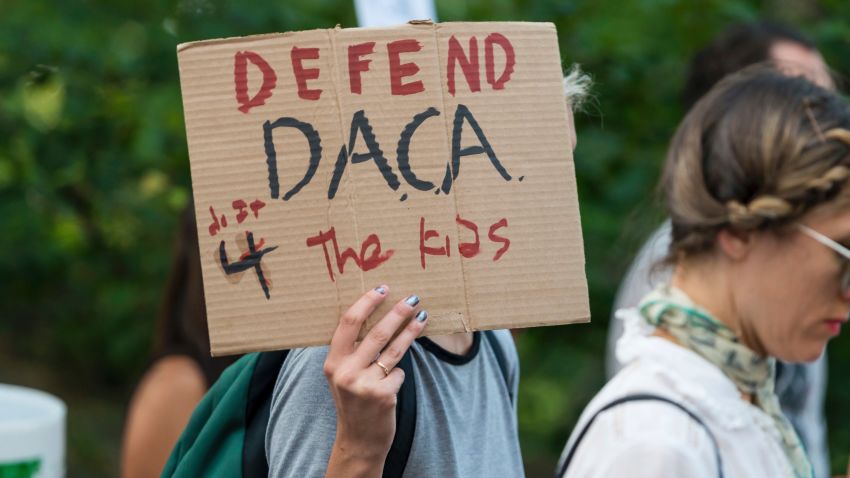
x: 424, y: 250
x: 364, y: 263
x: 469, y: 65
x: 240, y: 206
x: 495, y: 238
x: 215, y: 226
x: 469, y: 249
x: 510, y: 60
x: 323, y: 238
x: 399, y: 70
x: 357, y: 65
x: 302, y: 74
x: 240, y: 78
x: 376, y: 258
x: 256, y: 205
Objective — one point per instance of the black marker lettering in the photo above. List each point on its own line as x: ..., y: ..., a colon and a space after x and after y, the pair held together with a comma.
x: 462, y: 114
x: 313, y: 140
x: 403, y: 150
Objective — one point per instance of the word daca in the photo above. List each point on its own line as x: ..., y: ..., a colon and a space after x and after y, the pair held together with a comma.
x: 371, y: 254
x: 360, y: 127
x: 358, y: 63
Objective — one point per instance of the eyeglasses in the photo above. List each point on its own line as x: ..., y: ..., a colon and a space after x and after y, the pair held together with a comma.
x: 841, y: 250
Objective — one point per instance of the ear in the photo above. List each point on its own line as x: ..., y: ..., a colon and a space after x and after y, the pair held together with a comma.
x: 735, y: 245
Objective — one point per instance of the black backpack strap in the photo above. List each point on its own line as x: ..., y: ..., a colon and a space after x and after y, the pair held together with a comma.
x: 502, y: 360
x: 635, y: 398
x: 257, y: 411
x: 405, y: 422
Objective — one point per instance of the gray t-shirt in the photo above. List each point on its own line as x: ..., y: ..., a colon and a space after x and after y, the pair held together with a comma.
x: 465, y: 420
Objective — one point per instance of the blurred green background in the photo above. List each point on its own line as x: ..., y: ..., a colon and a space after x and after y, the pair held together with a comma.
x: 94, y: 172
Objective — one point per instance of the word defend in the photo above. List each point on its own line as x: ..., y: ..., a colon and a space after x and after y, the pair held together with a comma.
x: 401, y: 72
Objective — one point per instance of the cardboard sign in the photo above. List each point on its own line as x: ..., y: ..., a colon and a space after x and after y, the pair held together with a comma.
x: 435, y: 158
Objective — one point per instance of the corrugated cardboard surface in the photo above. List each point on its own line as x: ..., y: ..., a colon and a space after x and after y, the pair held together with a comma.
x: 539, y: 279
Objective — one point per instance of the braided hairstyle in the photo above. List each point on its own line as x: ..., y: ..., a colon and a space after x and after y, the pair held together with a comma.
x: 758, y: 152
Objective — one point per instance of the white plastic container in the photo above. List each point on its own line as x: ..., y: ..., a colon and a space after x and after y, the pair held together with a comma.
x: 32, y: 433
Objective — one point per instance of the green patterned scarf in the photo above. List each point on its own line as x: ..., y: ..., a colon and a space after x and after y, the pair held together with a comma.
x: 695, y: 329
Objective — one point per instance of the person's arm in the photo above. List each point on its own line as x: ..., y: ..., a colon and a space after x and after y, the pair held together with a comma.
x: 365, y: 396
x: 158, y: 412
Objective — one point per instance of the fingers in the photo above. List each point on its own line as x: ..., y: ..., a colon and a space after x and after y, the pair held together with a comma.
x: 366, y: 393
x: 393, y: 352
x: 392, y: 383
x: 342, y: 342
x: 384, y: 330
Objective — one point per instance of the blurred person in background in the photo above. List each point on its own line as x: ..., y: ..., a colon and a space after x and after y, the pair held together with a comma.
x: 756, y: 186
x: 801, y: 387
x: 181, y: 369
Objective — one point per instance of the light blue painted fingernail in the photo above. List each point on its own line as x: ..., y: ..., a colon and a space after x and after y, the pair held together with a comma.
x: 412, y: 300
x: 381, y: 290
x: 421, y: 316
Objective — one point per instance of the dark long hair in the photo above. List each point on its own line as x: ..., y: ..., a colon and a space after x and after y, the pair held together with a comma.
x: 181, y: 328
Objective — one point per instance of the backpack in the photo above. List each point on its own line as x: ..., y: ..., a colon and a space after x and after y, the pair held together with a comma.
x: 227, y: 431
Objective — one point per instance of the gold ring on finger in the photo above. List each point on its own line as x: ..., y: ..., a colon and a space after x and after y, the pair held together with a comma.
x: 383, y: 367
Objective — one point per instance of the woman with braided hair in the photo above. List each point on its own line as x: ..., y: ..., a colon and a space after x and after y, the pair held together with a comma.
x: 756, y: 184
x: 800, y: 387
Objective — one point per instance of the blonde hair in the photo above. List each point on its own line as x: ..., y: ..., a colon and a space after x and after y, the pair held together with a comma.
x: 758, y: 152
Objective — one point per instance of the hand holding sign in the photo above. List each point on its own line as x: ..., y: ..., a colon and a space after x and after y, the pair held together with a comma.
x: 364, y: 387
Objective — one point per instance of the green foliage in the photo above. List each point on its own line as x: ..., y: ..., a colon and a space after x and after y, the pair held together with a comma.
x: 94, y: 171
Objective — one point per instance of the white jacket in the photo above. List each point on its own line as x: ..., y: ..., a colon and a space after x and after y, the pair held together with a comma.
x: 656, y: 439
